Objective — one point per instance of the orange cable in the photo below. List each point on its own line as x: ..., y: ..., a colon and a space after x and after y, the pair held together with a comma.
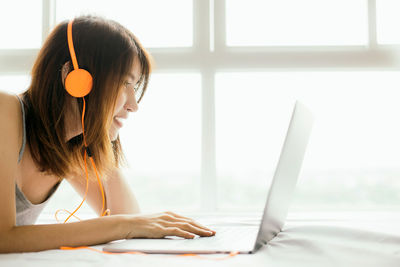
x: 231, y: 254
x: 107, y: 211
x: 101, y: 188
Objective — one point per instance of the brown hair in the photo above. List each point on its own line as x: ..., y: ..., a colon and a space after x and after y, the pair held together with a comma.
x: 107, y: 50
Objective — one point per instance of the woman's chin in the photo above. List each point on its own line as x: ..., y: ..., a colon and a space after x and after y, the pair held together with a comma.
x: 113, y: 134
x: 114, y: 130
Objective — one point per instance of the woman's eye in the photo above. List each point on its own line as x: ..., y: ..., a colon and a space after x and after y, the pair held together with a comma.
x: 128, y: 84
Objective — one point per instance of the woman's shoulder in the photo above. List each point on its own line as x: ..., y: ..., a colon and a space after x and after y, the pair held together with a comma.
x: 8, y: 101
x: 10, y: 116
x: 10, y: 108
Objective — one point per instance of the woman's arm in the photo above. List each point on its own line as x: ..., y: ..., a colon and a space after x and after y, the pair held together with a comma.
x: 30, y: 238
x: 119, y: 197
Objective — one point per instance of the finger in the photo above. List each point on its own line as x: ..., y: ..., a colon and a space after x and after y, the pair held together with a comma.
x: 185, y: 219
x: 189, y: 227
x: 175, y: 231
x: 176, y: 215
x: 196, y: 224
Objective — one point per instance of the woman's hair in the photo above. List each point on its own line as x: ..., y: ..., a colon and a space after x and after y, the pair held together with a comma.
x: 107, y: 50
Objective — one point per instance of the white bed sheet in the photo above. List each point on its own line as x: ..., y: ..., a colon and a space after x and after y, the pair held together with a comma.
x: 301, y: 243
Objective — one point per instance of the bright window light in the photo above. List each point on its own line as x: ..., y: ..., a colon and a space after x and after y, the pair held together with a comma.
x: 388, y: 21
x: 156, y: 23
x: 162, y: 142
x: 352, y: 158
x: 14, y: 84
x: 21, y: 24
x: 296, y: 23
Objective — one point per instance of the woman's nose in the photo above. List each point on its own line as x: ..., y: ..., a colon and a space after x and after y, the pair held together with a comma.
x: 131, y: 103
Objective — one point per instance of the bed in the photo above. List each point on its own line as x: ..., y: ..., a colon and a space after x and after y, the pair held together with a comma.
x: 367, y: 240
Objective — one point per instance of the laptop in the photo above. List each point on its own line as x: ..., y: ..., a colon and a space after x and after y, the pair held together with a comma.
x: 244, y: 238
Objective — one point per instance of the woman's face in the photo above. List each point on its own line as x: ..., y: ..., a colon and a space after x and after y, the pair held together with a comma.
x: 126, y: 101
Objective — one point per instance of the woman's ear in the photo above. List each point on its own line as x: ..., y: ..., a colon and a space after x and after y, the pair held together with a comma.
x: 66, y: 68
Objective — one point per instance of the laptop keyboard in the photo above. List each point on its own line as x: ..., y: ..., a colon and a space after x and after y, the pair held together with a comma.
x: 226, y: 239
x: 228, y: 235
x: 235, y: 232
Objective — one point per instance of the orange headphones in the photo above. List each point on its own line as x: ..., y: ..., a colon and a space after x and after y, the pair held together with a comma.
x: 79, y: 83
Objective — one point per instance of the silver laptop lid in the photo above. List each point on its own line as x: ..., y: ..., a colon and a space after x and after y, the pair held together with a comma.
x: 286, y: 174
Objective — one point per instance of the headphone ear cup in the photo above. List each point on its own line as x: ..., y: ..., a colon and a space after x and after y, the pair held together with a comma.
x: 79, y: 83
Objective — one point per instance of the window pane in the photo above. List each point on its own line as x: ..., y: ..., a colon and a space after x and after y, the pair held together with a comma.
x: 21, y: 24
x: 293, y: 22
x: 156, y: 23
x: 352, y: 158
x: 162, y: 142
x: 388, y: 21
x: 14, y: 84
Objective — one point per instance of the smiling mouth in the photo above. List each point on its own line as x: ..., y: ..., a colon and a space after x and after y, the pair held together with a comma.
x: 119, y: 122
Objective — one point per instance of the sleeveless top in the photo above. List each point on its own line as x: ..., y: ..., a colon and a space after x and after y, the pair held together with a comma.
x: 26, y: 212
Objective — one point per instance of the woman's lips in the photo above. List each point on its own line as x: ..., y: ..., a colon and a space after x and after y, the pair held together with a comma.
x: 119, y: 121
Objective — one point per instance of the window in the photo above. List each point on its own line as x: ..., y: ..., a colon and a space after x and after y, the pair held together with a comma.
x: 21, y: 28
x: 14, y: 84
x: 156, y: 23
x: 353, y: 150
x: 291, y: 22
x: 163, y: 143
x: 388, y: 21
x: 208, y: 134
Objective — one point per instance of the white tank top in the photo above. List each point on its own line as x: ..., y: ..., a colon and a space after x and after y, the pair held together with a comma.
x: 26, y: 212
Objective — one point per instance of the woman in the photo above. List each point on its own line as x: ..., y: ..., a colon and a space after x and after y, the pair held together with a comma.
x: 42, y: 141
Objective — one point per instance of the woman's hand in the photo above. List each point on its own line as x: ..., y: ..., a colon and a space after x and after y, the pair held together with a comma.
x: 164, y: 224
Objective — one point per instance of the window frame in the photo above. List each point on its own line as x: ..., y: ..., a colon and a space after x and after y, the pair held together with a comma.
x: 210, y: 55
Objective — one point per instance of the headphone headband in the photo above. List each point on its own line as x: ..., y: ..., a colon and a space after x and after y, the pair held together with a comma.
x: 71, y: 45
x: 78, y: 82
